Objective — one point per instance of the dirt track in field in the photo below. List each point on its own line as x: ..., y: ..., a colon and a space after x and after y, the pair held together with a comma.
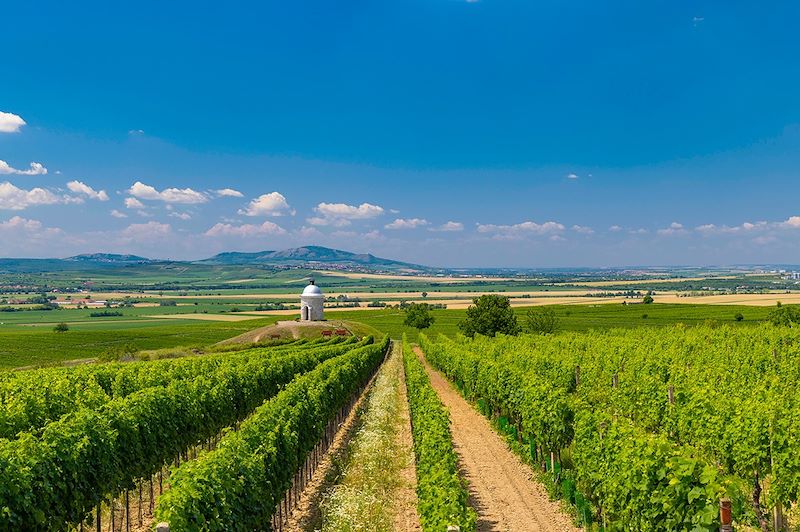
x: 405, y: 508
x: 502, y: 488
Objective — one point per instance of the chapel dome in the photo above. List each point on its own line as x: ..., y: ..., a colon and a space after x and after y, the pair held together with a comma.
x: 312, y: 290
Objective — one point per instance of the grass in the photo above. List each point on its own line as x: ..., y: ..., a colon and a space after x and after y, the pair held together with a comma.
x: 571, y: 317
x: 27, y: 338
x: 364, y: 497
x: 42, y: 346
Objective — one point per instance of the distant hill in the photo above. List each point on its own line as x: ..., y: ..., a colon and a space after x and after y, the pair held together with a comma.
x: 310, y: 255
x: 109, y: 258
x: 307, y: 256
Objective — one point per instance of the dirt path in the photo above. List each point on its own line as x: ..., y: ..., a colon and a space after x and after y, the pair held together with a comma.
x: 406, y: 517
x: 307, y: 510
x: 502, y: 488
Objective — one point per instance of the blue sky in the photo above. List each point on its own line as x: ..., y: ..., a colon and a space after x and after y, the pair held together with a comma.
x: 444, y: 132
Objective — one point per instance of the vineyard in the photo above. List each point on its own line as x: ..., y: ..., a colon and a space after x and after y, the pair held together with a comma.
x: 636, y: 429
x: 77, y: 439
x: 645, y: 429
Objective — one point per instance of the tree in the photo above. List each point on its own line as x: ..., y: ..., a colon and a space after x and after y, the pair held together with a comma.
x: 542, y: 320
x: 647, y: 299
x: 784, y: 315
x: 424, y: 295
x: 418, y: 316
x: 61, y: 327
x: 739, y: 316
x: 489, y: 315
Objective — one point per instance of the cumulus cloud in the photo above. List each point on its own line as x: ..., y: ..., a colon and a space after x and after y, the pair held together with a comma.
x: 572, y: 175
x: 272, y: 204
x: 793, y: 222
x: 181, y: 215
x: 133, y: 203
x: 18, y: 224
x: 35, y: 169
x: 373, y: 235
x: 146, y: 232
x: 615, y: 229
x: 17, y: 199
x: 10, y: 123
x: 521, y: 229
x: 229, y: 193
x: 168, y: 195
x: 246, y: 230
x: 309, y: 232
x: 79, y: 187
x: 407, y: 223
x: 117, y: 214
x: 341, y: 214
x: 674, y: 229
x: 582, y: 229
x: 449, y: 227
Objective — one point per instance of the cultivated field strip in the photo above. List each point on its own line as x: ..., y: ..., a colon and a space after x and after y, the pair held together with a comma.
x: 61, y: 475
x: 29, y: 400
x: 441, y: 492
x: 248, y: 481
x: 500, y: 485
x: 375, y: 490
x: 649, y: 429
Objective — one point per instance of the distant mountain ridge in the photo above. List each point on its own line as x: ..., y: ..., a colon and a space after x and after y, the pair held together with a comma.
x: 311, y: 254
x: 109, y: 258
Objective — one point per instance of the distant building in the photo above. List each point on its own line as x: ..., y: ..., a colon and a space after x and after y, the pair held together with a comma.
x: 311, y: 303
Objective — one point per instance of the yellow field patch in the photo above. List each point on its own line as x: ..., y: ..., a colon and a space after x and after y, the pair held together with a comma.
x: 206, y: 317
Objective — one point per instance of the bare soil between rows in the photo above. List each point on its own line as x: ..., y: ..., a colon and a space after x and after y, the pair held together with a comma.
x: 502, y: 488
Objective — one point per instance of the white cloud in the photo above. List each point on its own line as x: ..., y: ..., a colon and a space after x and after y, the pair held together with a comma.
x: 707, y: 228
x: 407, y: 223
x: 146, y: 232
x: 229, y: 193
x: 449, y: 227
x: 181, y: 215
x: 521, y: 229
x: 133, y: 203
x: 117, y: 214
x: 168, y: 195
x: 793, y: 222
x: 19, y: 224
x: 373, y: 235
x: 79, y: 187
x: 35, y: 169
x: 582, y: 229
x: 246, y: 230
x: 272, y: 204
x: 615, y: 229
x: 572, y: 175
x: 16, y: 199
x: 10, y: 123
x: 309, y: 232
x: 674, y: 229
x: 640, y: 231
x: 341, y: 214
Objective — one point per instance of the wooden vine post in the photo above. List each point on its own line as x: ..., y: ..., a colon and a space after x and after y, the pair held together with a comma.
x: 725, y: 516
x: 671, y: 394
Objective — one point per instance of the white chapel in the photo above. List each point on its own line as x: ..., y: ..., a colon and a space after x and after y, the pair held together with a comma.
x: 311, y: 303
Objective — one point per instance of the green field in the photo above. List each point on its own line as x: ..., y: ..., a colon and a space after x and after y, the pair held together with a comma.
x: 27, y: 338
x: 41, y: 346
x: 573, y: 317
